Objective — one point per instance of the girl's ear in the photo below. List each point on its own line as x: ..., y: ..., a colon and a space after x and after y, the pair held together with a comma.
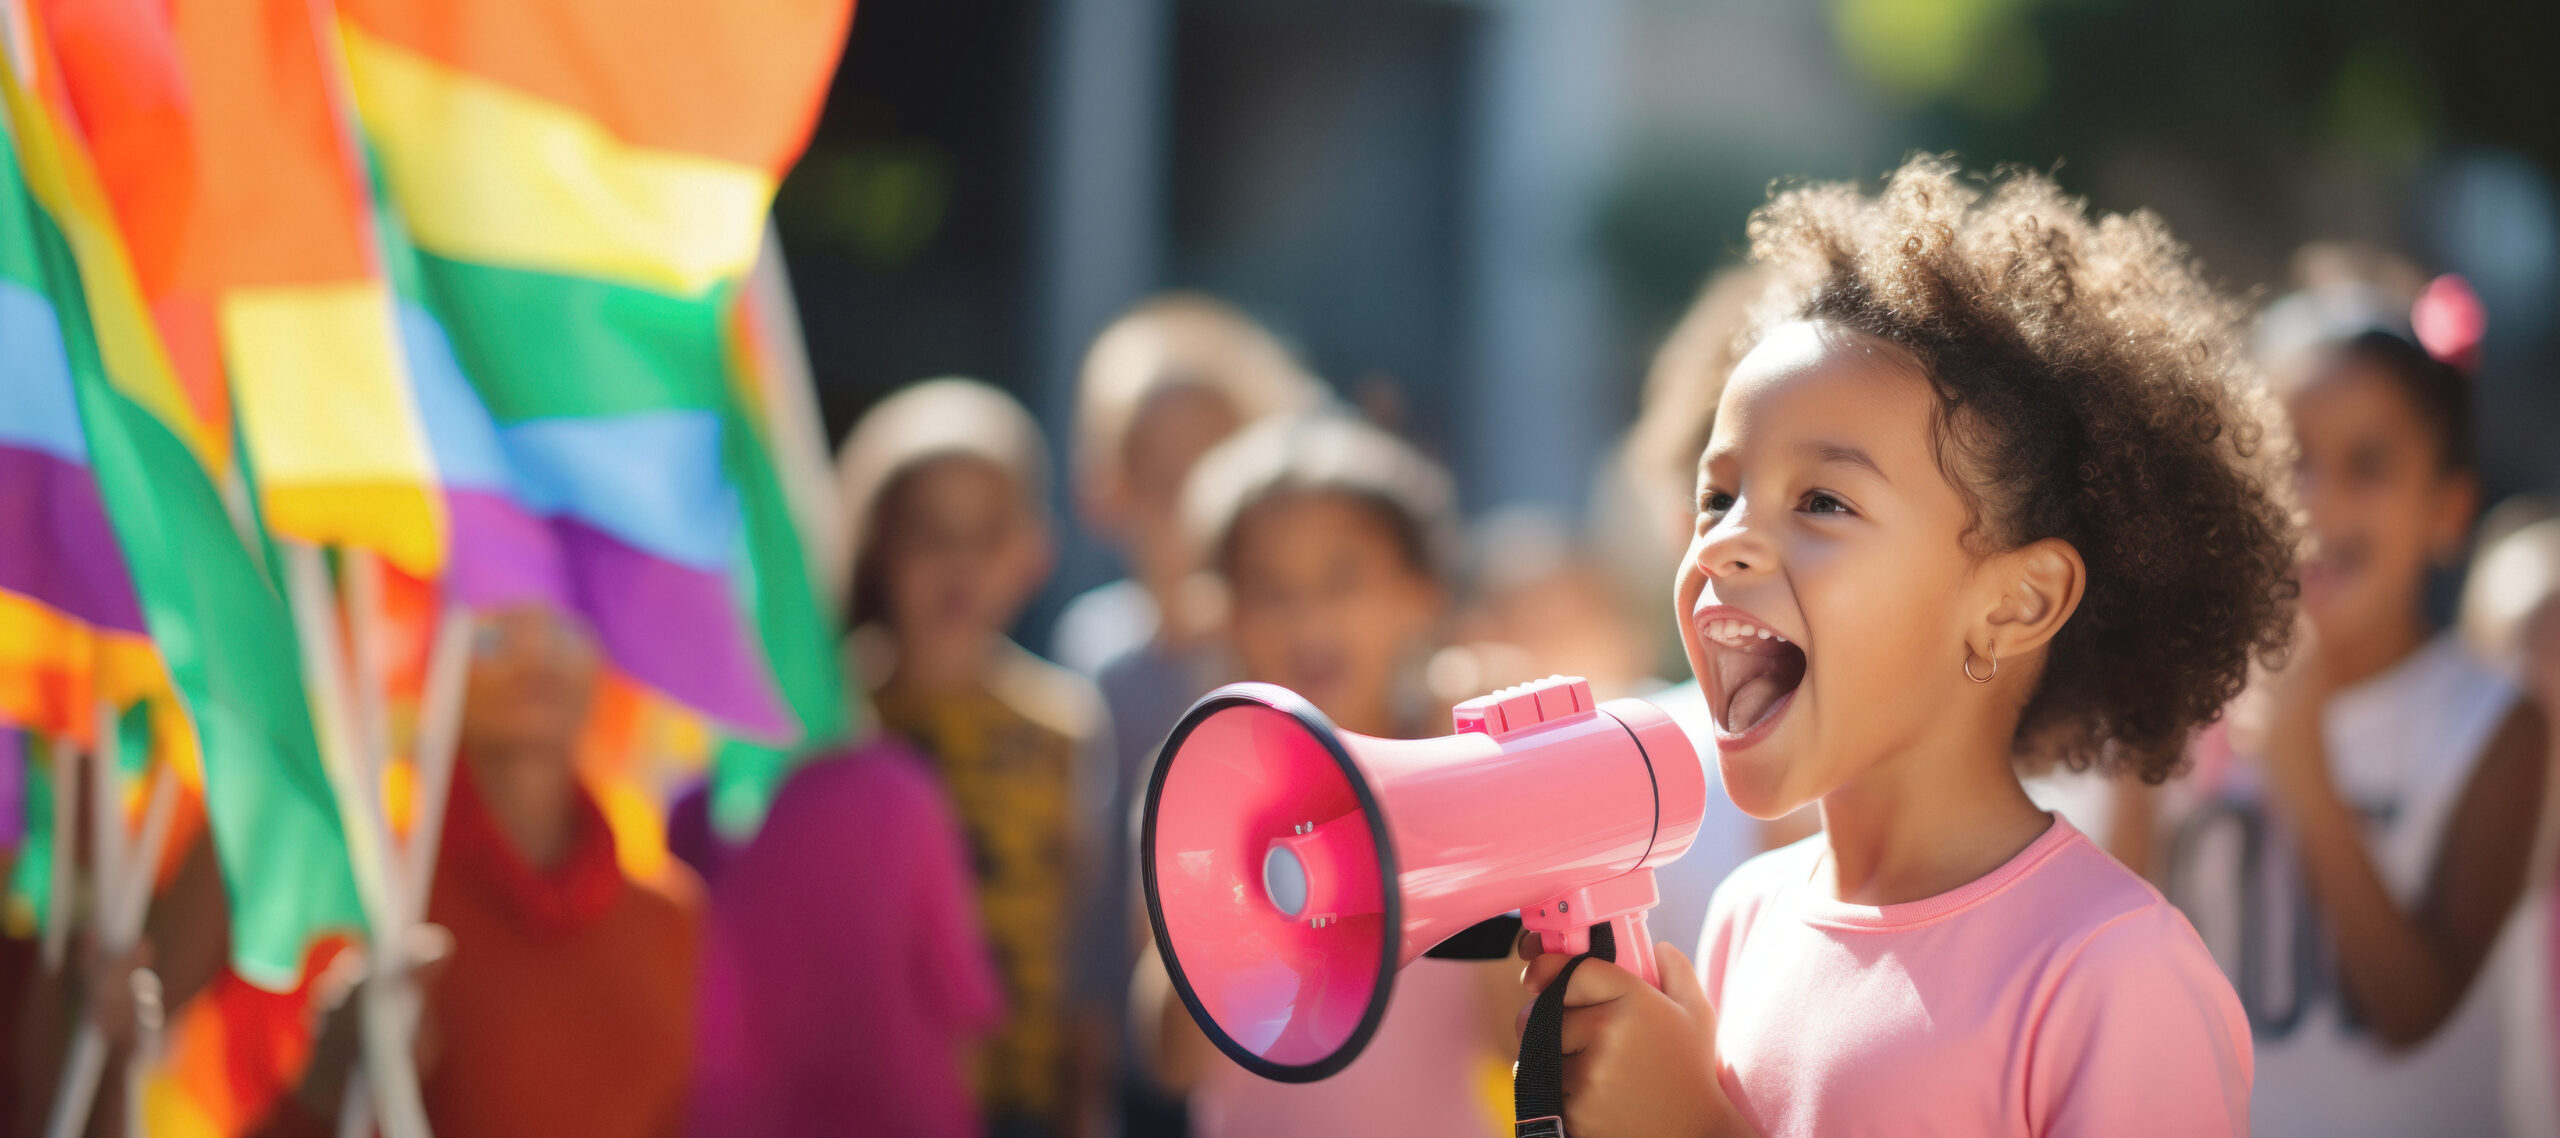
x: 2040, y: 583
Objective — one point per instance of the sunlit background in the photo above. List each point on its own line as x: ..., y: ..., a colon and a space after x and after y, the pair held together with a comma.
x: 1476, y: 218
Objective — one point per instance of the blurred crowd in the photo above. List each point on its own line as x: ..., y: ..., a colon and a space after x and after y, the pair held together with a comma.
x: 939, y: 931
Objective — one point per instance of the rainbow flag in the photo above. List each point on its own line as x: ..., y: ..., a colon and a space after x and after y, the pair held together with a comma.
x: 157, y: 460
x: 278, y: 246
x: 71, y: 629
x: 582, y: 183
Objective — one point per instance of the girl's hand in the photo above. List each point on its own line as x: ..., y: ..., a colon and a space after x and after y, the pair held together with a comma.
x: 1639, y: 1062
x: 124, y: 993
x: 2296, y: 759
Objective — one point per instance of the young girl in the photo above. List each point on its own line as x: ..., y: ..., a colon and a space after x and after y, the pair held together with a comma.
x: 946, y: 483
x: 1988, y: 483
x: 2377, y: 831
x: 1333, y: 540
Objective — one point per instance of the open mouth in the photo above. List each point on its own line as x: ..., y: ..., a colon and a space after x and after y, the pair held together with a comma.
x: 1751, y: 670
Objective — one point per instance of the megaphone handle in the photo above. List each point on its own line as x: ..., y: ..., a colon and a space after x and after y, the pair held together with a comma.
x: 1631, y: 931
x: 1635, y: 945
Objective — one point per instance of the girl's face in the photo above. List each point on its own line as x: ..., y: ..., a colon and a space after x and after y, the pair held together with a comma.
x: 960, y: 550
x: 1823, y: 598
x: 532, y: 679
x: 1323, y: 602
x: 2381, y: 506
x: 1167, y: 436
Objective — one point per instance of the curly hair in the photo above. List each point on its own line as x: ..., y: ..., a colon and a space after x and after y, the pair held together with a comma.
x: 2091, y: 387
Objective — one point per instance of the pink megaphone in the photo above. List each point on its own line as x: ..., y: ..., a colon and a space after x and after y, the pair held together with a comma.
x: 1292, y: 868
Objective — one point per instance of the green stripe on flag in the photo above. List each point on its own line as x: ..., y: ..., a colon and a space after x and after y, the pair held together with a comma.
x: 539, y: 345
x: 228, y: 642
x: 798, y: 637
x: 30, y: 904
x: 18, y: 260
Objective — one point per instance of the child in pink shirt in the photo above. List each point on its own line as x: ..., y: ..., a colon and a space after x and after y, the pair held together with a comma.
x: 845, y: 977
x: 1991, y: 483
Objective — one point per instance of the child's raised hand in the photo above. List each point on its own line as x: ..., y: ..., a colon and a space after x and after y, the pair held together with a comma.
x: 1639, y: 1061
x: 2296, y: 762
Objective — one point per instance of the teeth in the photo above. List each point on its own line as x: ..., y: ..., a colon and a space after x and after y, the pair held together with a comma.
x: 1736, y: 633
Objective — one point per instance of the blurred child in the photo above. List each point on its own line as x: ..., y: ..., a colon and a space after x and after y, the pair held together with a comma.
x: 1536, y: 590
x: 2361, y: 866
x: 2510, y: 618
x: 1955, y: 507
x: 1165, y: 382
x: 945, y: 483
x: 850, y: 837
x: 1333, y: 539
x: 845, y: 980
x: 567, y: 1004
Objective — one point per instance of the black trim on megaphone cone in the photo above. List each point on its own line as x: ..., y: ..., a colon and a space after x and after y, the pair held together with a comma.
x: 1493, y: 938
x: 1391, y: 934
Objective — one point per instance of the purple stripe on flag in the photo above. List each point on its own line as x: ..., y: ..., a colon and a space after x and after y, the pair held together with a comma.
x: 500, y: 554
x: 673, y: 627
x: 56, y: 545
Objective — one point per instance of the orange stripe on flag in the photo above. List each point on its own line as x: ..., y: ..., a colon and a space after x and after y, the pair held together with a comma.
x: 279, y: 203
x: 726, y: 80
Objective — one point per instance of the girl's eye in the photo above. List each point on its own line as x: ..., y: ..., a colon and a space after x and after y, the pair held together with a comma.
x: 1822, y: 503
x: 1714, y: 502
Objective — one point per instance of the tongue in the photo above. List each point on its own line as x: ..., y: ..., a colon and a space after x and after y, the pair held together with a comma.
x: 1751, y: 701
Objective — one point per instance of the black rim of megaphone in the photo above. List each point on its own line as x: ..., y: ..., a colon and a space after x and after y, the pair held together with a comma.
x: 1391, y: 935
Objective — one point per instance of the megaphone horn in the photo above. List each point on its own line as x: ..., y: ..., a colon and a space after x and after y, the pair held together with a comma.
x: 1292, y: 868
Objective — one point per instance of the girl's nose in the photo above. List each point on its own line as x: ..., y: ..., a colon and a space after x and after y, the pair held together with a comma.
x: 1733, y: 546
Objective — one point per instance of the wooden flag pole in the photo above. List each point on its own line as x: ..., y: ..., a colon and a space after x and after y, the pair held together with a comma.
x: 133, y: 904
x: 432, y: 754
x: 88, y: 1058
x: 439, y: 742
x: 361, y: 571
x: 123, y: 900
x: 106, y: 815
x: 388, y: 1064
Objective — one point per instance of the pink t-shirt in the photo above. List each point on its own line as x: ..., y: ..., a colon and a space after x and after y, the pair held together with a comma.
x: 2059, y: 995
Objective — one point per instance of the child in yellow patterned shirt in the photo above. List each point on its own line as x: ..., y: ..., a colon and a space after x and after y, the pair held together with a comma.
x: 946, y: 483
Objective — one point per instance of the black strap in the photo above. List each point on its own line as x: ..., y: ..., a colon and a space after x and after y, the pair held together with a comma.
x: 1537, y: 1085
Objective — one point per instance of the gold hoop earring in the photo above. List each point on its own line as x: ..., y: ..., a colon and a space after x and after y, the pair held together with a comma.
x: 1968, y: 668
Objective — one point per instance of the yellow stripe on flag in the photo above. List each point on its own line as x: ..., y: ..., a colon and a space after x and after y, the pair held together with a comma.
x: 56, y: 669
x: 483, y: 172
x: 323, y: 397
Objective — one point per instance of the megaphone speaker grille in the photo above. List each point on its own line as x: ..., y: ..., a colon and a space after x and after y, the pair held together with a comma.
x: 1255, y: 796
